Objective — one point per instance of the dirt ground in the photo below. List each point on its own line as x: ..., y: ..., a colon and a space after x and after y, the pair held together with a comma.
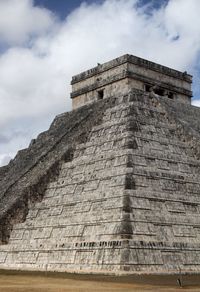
x: 18, y: 282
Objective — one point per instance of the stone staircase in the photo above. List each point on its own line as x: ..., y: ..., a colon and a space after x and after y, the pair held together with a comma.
x: 126, y: 202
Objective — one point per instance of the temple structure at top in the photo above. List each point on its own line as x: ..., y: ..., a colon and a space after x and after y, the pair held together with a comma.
x: 128, y: 72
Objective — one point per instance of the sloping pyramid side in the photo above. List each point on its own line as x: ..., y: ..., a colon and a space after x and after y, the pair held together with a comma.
x: 128, y: 201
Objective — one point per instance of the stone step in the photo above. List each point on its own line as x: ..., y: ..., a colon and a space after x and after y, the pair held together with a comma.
x: 158, y: 197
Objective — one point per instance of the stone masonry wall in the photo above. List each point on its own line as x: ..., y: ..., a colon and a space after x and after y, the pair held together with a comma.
x: 127, y: 200
x: 113, y: 77
x: 24, y: 180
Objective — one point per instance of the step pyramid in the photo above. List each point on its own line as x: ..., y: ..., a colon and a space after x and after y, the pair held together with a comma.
x: 111, y: 187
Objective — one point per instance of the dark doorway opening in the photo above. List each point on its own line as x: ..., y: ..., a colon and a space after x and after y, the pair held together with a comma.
x: 147, y: 87
x: 100, y: 94
x: 159, y: 91
x: 171, y: 95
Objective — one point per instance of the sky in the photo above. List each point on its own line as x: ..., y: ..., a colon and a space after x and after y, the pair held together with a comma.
x: 43, y: 43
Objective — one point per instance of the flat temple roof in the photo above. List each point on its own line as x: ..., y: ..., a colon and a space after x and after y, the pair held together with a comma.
x: 134, y: 60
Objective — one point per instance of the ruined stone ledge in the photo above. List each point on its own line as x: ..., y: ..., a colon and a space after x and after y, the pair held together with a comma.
x: 134, y: 60
x: 128, y: 74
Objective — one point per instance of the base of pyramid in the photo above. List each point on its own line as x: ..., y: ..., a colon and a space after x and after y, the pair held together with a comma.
x: 127, y: 203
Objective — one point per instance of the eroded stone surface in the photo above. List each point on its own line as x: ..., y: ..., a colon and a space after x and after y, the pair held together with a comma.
x: 128, y: 200
x: 128, y: 72
x: 112, y: 187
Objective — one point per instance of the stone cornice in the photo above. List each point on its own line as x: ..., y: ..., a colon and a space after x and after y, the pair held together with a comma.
x: 132, y: 60
x: 129, y: 74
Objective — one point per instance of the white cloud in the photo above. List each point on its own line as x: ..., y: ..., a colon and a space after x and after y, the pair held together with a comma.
x: 5, y: 158
x: 196, y: 102
x: 19, y: 20
x: 35, y: 78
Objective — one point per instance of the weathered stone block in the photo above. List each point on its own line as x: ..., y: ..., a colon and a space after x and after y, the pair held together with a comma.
x: 112, y: 186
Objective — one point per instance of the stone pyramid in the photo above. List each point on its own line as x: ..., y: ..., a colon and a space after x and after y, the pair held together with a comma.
x: 114, y: 185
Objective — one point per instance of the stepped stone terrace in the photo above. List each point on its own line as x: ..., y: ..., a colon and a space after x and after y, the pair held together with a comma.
x: 114, y: 185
